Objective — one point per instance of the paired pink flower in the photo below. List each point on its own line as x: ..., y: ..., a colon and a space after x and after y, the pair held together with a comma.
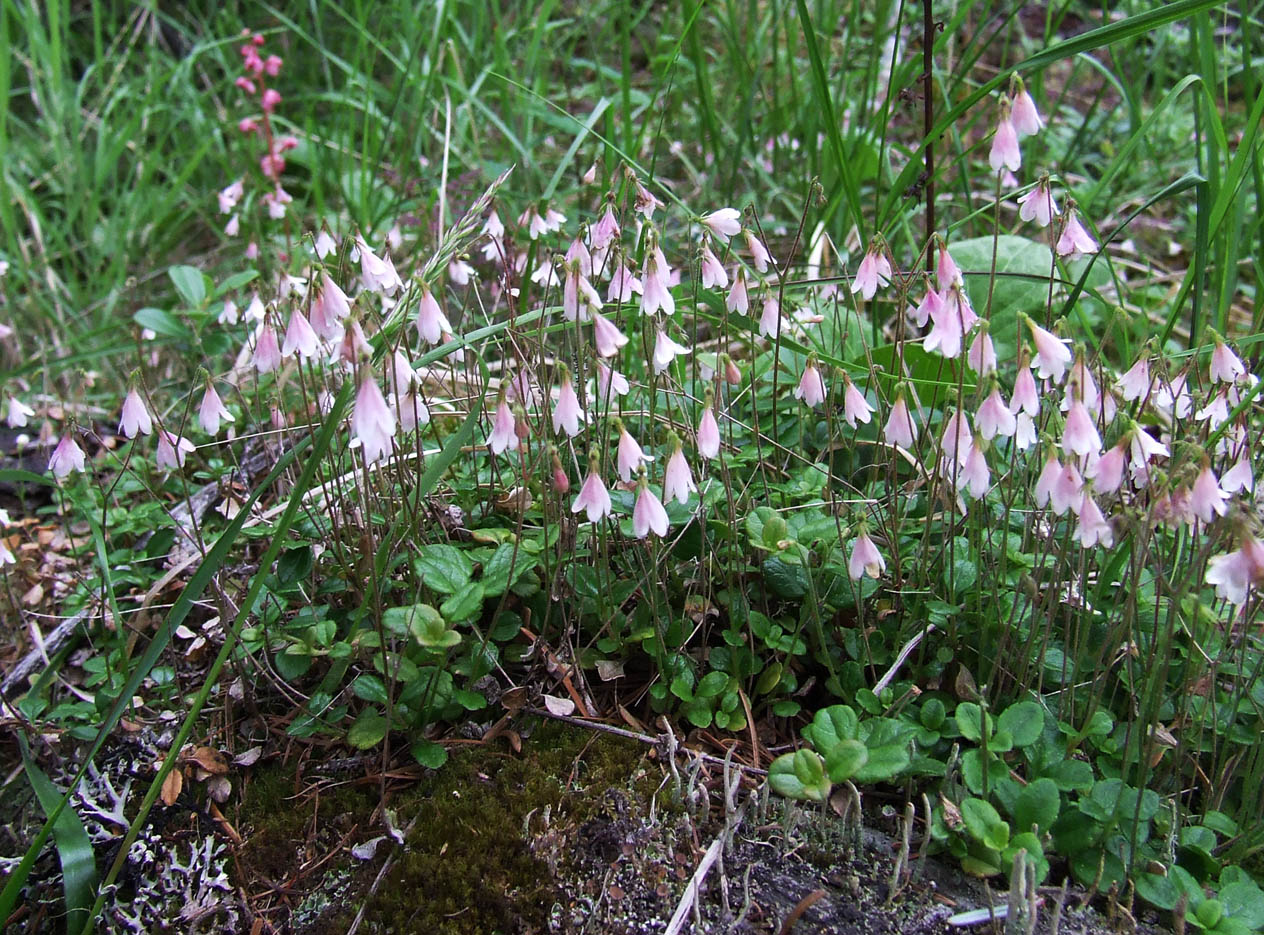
x: 372, y: 421
x: 982, y: 353
x: 432, y: 324
x: 874, y: 272
x: 300, y: 337
x: 134, y: 419
x: 811, y: 388
x: 630, y: 455
x: 760, y: 257
x: 1038, y: 204
x: 1005, y: 153
x: 504, y: 430
x: 656, y: 283
x: 567, y: 414
x: 1079, y: 436
x: 738, y: 301
x: 593, y: 497
x: 610, y: 382
x: 377, y: 273
x: 899, y: 429
x: 66, y: 457
x: 607, y: 336
x: 665, y: 351
x: 1074, y: 240
x: 267, y: 356
x: 1107, y: 472
x: 1226, y: 366
x: 723, y: 224
x: 648, y: 515
x: 994, y: 417
x: 1234, y: 573
x: 855, y: 407
x: 1052, y: 355
x: 865, y: 559
x: 1092, y: 528
x: 172, y: 449
x: 212, y: 411
x: 713, y: 274
x: 18, y: 412
x: 1026, y: 118
x: 708, y: 435
x: 623, y: 285
x: 677, y: 478
x: 1207, y: 499
x: 770, y: 318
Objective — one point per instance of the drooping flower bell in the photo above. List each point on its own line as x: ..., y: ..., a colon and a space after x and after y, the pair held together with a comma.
x: 1005, y: 153
x: 874, y: 272
x: 865, y: 559
x: 135, y: 418
x: 811, y: 388
x: 648, y: 514
x: 593, y: 497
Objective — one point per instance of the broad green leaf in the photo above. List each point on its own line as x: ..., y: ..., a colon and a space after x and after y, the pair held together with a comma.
x: 800, y: 775
x: 368, y: 730
x: 369, y: 688
x: 465, y: 604
x: 502, y: 571
x: 190, y: 283
x: 830, y: 726
x: 985, y: 824
x: 160, y: 322
x: 1024, y: 721
x: 846, y: 759
x: 443, y: 568
x: 74, y: 849
x: 971, y: 721
x: 1038, y: 804
x: 429, y: 754
x: 883, y: 763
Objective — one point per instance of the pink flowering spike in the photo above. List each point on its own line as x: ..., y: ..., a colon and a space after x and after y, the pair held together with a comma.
x: 1038, y: 204
x: 1107, y: 472
x: 1207, y: 498
x: 811, y: 388
x: 1080, y: 434
x: 760, y: 257
x: 656, y: 284
x: 18, y: 413
x: 994, y: 417
x: 723, y: 224
x: 610, y: 382
x: 738, y: 301
x: 66, y: 457
x: 1074, y: 240
x: 947, y: 272
x: 708, y: 434
x: 648, y: 515
x: 372, y: 421
x: 982, y: 354
x: 770, y: 318
x: 1226, y: 366
x: 135, y: 416
x: 593, y: 497
x: 171, y: 450
x: 1005, y: 153
x: 504, y: 431
x: 865, y: 558
x: 899, y: 429
x: 267, y: 355
x: 567, y: 414
x: 432, y: 324
x: 1052, y: 355
x: 212, y: 411
x: 713, y: 274
x: 300, y: 337
x: 1092, y: 528
x: 607, y: 336
x: 874, y: 273
x: 630, y: 457
x: 1026, y: 118
x: 1067, y: 489
x: 677, y: 478
x: 665, y: 351
x: 855, y: 407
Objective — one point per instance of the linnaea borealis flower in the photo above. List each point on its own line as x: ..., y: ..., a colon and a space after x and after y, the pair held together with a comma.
x: 372, y: 421
x: 738, y: 300
x: 267, y: 356
x: 874, y: 272
x: 1135, y: 383
x: 355, y: 346
x: 377, y: 273
x: 1005, y: 153
x: 900, y: 429
x: 1074, y: 240
x: 1079, y: 435
x: 665, y: 351
x: 324, y: 244
x: 607, y: 336
x: 610, y: 382
x: 1234, y: 573
x: 648, y: 515
x: 865, y: 559
x: 1226, y: 366
x: 644, y: 202
x: 212, y: 411
x: 1206, y: 498
x: 982, y: 353
x: 630, y: 455
x: 1038, y: 204
x: 723, y: 224
x: 994, y: 417
x: 811, y: 388
x: 1107, y: 472
x: 713, y: 273
x: 606, y: 230
x: 17, y: 413
x: 66, y: 457
x: 973, y: 475
x: 1026, y: 118
x: 567, y: 414
x: 593, y: 497
x: 677, y: 478
x: 300, y: 337
x: 504, y: 431
x: 432, y: 324
x: 135, y: 418
x: 229, y: 196
x: 1092, y: 528
x: 855, y: 407
x: 1052, y: 355
x: 708, y: 435
x: 172, y: 449
x: 770, y: 318
x: 947, y: 272
x: 760, y: 257
x: 656, y: 283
